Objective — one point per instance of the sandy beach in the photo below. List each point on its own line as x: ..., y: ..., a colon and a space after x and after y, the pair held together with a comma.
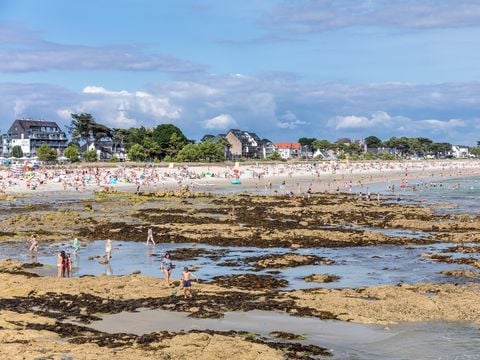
x: 297, y: 177
x: 319, y: 252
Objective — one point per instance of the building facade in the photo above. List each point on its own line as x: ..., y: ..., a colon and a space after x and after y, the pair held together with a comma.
x: 459, y: 151
x: 244, y: 144
x: 31, y: 134
x: 106, y: 150
x: 288, y: 150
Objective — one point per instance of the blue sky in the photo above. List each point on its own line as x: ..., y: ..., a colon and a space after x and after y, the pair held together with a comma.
x: 284, y: 69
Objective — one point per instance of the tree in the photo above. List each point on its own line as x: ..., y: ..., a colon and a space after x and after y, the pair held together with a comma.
x: 137, y: 136
x: 71, y: 153
x: 373, y: 142
x: 344, y: 141
x: 162, y: 135
x: 211, y: 151
x: 175, y: 144
x: 90, y: 156
x: 100, y: 132
x: 80, y: 127
x: 208, y: 137
x: 84, y: 128
x: 354, y: 149
x: 45, y: 153
x: 475, y: 151
x: 17, y: 151
x: 304, y: 141
x: 137, y: 153
x: 322, y: 144
x: 401, y: 144
x: 189, y: 152
x: 275, y: 156
x: 151, y: 148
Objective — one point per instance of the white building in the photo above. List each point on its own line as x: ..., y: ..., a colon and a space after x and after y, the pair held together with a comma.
x: 288, y: 150
x: 459, y: 151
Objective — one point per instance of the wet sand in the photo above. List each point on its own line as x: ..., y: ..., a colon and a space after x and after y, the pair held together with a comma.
x: 36, y: 311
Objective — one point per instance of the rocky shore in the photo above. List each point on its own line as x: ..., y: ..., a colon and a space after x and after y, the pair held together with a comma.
x: 44, y: 316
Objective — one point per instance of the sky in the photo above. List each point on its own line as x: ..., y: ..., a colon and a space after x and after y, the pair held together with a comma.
x: 283, y: 69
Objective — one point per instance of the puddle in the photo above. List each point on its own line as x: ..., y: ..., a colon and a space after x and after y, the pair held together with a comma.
x: 357, y: 266
x: 425, y: 340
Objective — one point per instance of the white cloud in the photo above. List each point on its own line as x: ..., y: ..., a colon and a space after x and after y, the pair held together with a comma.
x: 220, y: 122
x: 289, y: 121
x: 23, y: 51
x: 122, y: 108
x: 396, y: 125
x: 306, y: 16
x: 442, y: 126
x: 379, y: 118
x: 286, y: 109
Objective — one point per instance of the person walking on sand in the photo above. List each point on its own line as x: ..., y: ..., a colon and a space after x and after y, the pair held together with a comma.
x: 108, y: 250
x: 187, y: 282
x: 150, y: 236
x: 167, y: 267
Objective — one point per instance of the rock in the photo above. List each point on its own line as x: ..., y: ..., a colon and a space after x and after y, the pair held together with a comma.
x: 322, y: 278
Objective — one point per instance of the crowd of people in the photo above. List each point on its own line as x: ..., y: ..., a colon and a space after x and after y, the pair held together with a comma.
x: 152, y: 177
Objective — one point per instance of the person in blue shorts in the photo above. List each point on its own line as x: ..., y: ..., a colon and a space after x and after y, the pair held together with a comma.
x: 167, y: 266
x: 187, y: 282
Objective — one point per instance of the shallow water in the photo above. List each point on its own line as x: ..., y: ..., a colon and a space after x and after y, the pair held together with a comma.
x: 424, y: 340
x: 357, y: 266
x: 463, y: 192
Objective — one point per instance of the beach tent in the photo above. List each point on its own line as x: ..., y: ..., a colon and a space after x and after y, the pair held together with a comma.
x: 170, y: 166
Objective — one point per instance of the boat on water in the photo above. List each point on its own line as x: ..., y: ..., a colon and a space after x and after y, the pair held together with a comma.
x: 235, y: 182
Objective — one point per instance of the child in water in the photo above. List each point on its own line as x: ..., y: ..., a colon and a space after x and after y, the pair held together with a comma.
x: 108, y: 250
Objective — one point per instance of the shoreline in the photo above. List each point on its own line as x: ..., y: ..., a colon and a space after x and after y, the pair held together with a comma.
x: 340, y: 177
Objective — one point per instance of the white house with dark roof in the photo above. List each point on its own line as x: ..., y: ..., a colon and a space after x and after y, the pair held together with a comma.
x: 31, y: 134
x: 106, y: 150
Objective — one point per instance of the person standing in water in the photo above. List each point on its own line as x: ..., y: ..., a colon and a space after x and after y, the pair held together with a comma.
x: 33, y: 243
x: 75, y: 246
x: 108, y: 250
x: 167, y: 267
x: 69, y: 265
x: 150, y: 236
x: 61, y: 264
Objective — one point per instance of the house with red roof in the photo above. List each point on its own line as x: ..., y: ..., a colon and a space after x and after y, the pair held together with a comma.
x: 288, y: 150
